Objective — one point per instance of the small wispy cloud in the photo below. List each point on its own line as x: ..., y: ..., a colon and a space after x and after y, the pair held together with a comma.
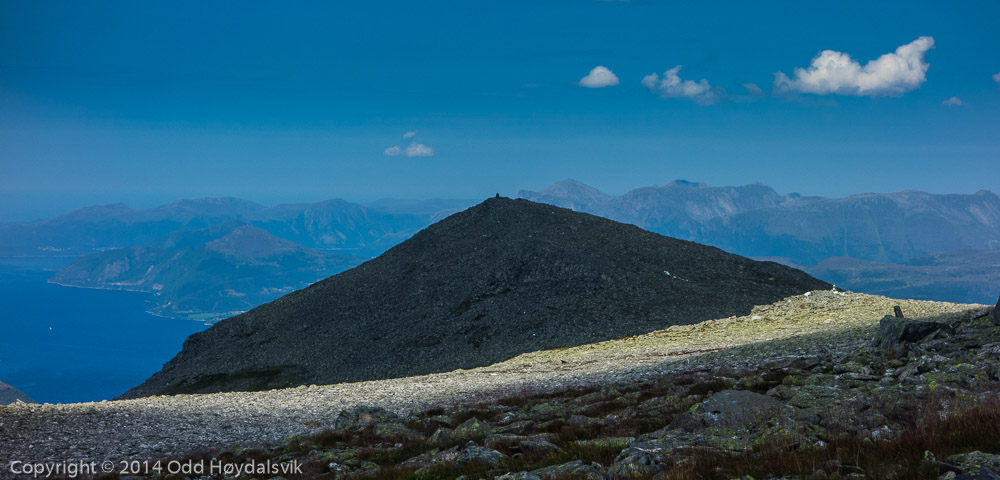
x: 672, y: 85
x: 414, y: 149
x: 953, y: 102
x: 599, y: 77
x: 833, y: 72
x: 996, y: 78
x: 419, y: 150
x: 752, y: 88
x: 393, y: 151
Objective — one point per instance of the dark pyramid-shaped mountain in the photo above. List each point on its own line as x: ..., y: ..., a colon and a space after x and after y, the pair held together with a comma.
x: 499, y: 279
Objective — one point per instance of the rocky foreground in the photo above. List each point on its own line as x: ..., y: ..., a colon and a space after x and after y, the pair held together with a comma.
x: 808, y: 387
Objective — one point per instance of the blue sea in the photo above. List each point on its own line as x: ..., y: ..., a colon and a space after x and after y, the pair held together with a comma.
x: 64, y: 344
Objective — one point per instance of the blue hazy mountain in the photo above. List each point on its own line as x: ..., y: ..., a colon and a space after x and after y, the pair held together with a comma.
x: 208, y: 273
x: 891, y: 227
x: 678, y: 208
x: 434, y: 207
x: 874, y: 243
x: 754, y: 220
x: 101, y: 227
x: 328, y: 225
x: 969, y: 276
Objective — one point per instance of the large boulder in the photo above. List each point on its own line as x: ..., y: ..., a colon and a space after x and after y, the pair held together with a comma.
x: 475, y: 455
x: 575, y: 469
x: 898, y: 331
x: 975, y: 466
x: 730, y: 409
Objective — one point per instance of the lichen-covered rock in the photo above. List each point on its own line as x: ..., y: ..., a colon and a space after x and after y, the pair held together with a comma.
x: 498, y: 441
x: 977, y: 474
x: 575, y: 469
x: 520, y: 427
x: 965, y: 375
x: 610, y: 443
x: 395, y: 431
x: 976, y: 463
x: 518, y: 476
x: 730, y: 409
x: 433, y: 457
x: 639, y: 460
x: 472, y: 429
x: 441, y: 436
x: 361, y: 417
x: 547, y: 411
x: 635, y: 465
x: 895, y: 332
x: 473, y: 454
x: 538, y: 447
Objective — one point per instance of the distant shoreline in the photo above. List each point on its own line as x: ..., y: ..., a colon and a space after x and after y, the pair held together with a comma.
x: 95, y: 288
x: 151, y: 312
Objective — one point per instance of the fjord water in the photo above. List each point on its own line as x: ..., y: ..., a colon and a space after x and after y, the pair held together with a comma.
x: 64, y: 344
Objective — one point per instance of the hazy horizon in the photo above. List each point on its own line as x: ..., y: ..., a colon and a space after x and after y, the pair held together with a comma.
x: 26, y: 209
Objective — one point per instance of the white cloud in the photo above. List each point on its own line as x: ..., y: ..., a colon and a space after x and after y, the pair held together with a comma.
x: 835, y: 72
x: 672, y: 86
x: 996, y: 78
x: 752, y: 88
x: 414, y: 149
x: 953, y: 102
x: 419, y: 150
x: 393, y: 151
x: 599, y: 77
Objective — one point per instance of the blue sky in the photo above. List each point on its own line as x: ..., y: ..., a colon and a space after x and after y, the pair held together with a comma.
x: 144, y: 102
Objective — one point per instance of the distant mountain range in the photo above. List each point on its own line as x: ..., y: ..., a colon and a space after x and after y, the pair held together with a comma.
x: 866, y: 242
x: 329, y: 225
x: 209, y: 273
x: 754, y: 220
x: 863, y: 236
x: 499, y: 279
x: 211, y: 258
x: 967, y: 276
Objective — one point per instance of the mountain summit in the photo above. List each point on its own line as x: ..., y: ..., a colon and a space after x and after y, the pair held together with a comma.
x: 499, y: 279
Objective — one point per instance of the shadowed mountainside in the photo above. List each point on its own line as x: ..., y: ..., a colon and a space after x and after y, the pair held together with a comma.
x: 499, y: 279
